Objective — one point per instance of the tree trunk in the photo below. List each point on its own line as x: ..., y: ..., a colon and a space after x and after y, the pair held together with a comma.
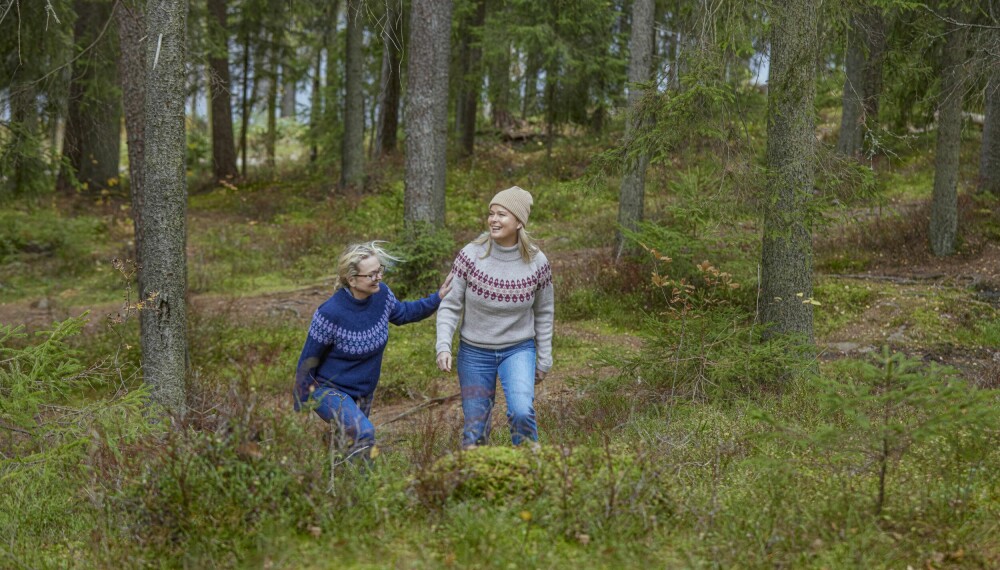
x: 288, y: 85
x: 530, y: 102
x: 352, y: 152
x: 164, y: 215
x: 989, y: 160
x: 851, y: 119
x: 499, y: 90
x: 223, y: 143
x: 132, y: 72
x: 944, y: 204
x: 640, y: 67
x: 92, y: 140
x: 316, y: 103
x: 472, y: 80
x: 875, y: 43
x: 388, y: 106
x: 786, y: 256
x: 271, y: 139
x: 245, y: 103
x: 427, y: 112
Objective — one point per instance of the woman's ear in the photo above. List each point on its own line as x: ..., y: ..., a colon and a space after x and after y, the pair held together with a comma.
x: 520, y: 226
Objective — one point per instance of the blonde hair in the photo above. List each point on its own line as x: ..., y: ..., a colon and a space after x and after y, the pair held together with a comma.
x: 525, y: 243
x: 347, y: 265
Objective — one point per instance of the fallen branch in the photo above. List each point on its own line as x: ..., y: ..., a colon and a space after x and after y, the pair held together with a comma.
x: 423, y: 406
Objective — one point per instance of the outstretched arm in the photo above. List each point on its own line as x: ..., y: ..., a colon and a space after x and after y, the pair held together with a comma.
x: 449, y: 314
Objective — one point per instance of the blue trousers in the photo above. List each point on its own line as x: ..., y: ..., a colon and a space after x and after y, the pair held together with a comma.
x: 478, y: 369
x: 355, y: 430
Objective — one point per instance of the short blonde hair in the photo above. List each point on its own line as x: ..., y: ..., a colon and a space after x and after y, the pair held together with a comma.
x: 354, y: 254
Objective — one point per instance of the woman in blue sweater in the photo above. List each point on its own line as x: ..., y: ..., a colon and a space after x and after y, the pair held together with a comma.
x: 341, y: 361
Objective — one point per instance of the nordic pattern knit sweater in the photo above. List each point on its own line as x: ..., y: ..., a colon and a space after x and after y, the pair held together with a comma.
x: 347, y: 338
x: 500, y: 301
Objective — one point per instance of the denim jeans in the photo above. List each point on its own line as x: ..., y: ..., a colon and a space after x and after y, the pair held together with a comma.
x: 478, y: 369
x: 355, y: 430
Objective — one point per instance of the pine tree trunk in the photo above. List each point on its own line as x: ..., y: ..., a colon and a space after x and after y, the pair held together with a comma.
x: 288, y: 88
x: 164, y: 215
x: 499, y: 91
x: 851, y: 119
x: 245, y: 104
x: 316, y: 103
x: 132, y: 72
x: 352, y: 152
x: 472, y: 80
x: 944, y: 203
x: 92, y: 140
x: 640, y: 67
x: 388, y: 106
x: 989, y: 160
x: 530, y: 102
x: 875, y: 42
x: 427, y: 112
x: 219, y: 87
x: 271, y: 139
x: 786, y: 256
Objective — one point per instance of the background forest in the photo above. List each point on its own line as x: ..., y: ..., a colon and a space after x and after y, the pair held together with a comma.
x: 775, y: 236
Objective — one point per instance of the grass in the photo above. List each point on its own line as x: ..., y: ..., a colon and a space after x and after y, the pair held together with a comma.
x: 758, y: 473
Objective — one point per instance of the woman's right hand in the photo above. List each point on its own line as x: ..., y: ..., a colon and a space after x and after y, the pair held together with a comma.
x: 444, y: 361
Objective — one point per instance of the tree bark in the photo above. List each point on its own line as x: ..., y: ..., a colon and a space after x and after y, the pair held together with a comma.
x: 786, y: 255
x: 640, y: 67
x: 352, y: 152
x: 271, y: 139
x: 220, y: 96
x: 427, y: 112
x: 989, y: 160
x: 851, y: 119
x: 245, y: 103
x: 472, y: 80
x: 388, y: 106
x: 164, y: 215
x: 92, y: 140
x: 944, y: 203
x: 132, y: 72
x: 530, y: 102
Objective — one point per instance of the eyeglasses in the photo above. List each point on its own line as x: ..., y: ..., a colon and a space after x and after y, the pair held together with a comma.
x: 373, y: 277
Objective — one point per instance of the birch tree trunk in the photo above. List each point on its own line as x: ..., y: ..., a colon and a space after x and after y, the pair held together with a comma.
x: 786, y: 256
x: 164, y: 215
x: 640, y: 67
x: 427, y: 112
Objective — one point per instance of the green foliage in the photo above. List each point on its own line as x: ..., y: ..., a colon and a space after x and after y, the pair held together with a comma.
x: 426, y: 253
x: 62, y: 419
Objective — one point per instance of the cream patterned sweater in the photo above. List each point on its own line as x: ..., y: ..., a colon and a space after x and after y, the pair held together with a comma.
x: 500, y: 301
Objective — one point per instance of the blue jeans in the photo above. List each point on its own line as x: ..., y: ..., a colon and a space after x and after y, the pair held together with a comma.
x: 478, y: 369
x: 355, y: 430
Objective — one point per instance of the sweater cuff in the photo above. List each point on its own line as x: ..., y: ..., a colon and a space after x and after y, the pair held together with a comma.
x: 442, y: 347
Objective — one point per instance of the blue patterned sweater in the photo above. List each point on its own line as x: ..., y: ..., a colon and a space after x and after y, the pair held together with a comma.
x: 347, y: 338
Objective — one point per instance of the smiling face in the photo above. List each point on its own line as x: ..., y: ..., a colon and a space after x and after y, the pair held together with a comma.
x: 363, y: 285
x: 503, y: 226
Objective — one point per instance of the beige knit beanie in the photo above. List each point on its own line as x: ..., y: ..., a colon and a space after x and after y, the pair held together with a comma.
x: 517, y: 201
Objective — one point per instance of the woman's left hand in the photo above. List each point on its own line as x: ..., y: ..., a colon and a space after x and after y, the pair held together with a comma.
x: 446, y: 286
x: 539, y: 376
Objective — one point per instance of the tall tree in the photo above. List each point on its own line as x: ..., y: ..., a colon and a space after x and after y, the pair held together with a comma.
x: 164, y: 216
x: 640, y: 68
x: 944, y: 203
x: 219, y: 90
x: 132, y: 73
x: 388, y: 102
x: 352, y: 164
x: 786, y: 255
x: 427, y: 112
x: 989, y: 159
x: 866, y: 48
x: 92, y: 140
x: 471, y: 79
